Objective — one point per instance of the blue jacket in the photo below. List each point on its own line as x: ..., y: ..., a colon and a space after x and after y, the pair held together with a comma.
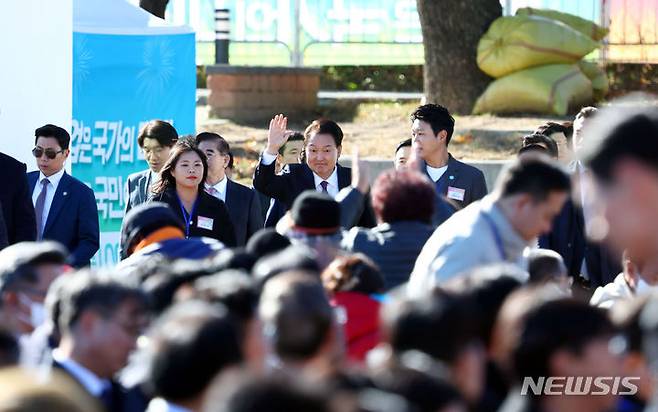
x: 461, y: 176
x: 72, y: 218
x: 393, y: 247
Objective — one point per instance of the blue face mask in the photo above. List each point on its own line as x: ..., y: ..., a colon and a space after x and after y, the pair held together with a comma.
x: 37, y: 310
x: 644, y: 288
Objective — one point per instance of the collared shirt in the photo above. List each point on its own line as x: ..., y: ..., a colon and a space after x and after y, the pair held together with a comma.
x: 162, y: 405
x: 465, y: 241
x: 92, y: 383
x: 220, y: 189
x: 332, y: 187
x: 50, y: 195
x: 436, y: 172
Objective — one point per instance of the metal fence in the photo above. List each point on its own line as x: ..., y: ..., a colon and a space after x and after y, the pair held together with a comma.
x: 353, y: 32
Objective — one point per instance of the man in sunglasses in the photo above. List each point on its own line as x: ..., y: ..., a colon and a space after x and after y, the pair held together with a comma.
x: 65, y: 207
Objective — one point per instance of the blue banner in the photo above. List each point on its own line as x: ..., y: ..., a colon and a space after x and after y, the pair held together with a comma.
x: 121, y: 82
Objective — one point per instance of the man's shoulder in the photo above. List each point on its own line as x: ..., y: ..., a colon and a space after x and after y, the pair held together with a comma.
x: 465, y: 167
x: 240, y: 188
x: 138, y: 175
x: 10, y: 164
x: 76, y: 184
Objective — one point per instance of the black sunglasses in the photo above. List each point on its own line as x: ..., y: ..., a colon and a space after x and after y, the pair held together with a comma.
x: 50, y: 153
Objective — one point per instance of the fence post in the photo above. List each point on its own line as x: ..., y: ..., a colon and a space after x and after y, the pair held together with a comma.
x: 222, y: 32
x: 297, y: 57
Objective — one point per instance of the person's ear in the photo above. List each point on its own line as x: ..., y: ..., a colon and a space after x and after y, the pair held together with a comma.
x: 442, y: 135
x: 66, y: 153
x: 88, y: 322
x: 523, y: 201
x: 339, y: 149
x: 9, y: 298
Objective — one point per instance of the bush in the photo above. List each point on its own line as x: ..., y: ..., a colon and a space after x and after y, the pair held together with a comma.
x: 381, y: 78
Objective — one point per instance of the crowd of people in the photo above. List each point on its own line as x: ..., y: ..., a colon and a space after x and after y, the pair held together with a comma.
x: 314, y: 290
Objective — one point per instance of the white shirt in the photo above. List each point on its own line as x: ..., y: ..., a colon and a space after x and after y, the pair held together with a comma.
x: 92, y: 383
x: 220, y: 189
x: 436, y: 172
x: 50, y: 195
x: 332, y: 187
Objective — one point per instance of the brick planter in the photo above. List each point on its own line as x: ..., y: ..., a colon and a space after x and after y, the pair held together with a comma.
x: 254, y: 93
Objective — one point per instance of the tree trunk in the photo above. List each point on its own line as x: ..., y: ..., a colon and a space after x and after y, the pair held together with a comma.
x: 155, y: 7
x: 451, y: 32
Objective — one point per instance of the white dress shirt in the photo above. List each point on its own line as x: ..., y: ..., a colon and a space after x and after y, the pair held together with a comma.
x: 436, y: 172
x: 50, y: 195
x: 92, y: 383
x: 332, y: 187
x: 220, y: 189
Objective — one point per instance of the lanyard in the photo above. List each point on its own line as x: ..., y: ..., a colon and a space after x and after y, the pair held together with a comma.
x: 496, y: 234
x: 187, y: 218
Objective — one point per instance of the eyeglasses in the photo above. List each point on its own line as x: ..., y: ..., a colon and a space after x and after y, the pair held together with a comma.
x: 50, y: 153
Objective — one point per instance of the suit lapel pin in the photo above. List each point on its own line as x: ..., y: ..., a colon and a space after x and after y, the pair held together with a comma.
x: 64, y: 193
x: 451, y: 177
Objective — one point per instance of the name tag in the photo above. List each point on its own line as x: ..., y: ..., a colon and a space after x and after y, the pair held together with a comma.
x: 204, y: 222
x: 456, y: 193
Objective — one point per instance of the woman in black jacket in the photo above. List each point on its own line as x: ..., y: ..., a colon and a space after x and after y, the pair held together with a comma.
x: 181, y: 186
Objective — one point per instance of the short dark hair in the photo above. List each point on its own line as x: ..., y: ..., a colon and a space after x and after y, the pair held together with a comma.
x: 537, y: 138
x: 270, y: 393
x: 100, y: 292
x: 487, y: 287
x: 266, y: 241
x: 353, y: 273
x: 543, y: 264
x: 324, y: 126
x: 222, y: 144
x: 439, y: 325
x: 296, y: 309
x: 620, y: 133
x: 544, y: 332
x: 549, y: 128
x: 533, y: 148
x: 438, y: 117
x: 191, y: 343
x: 404, y: 195
x: 50, y: 130
x: 294, y: 137
x: 534, y: 175
x: 294, y: 257
x: 404, y: 143
x: 163, y: 132
x: 234, y: 289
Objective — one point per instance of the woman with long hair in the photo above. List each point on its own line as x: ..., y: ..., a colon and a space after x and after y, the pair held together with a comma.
x: 181, y: 186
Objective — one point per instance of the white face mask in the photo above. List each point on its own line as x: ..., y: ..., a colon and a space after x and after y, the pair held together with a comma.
x: 37, y: 311
x: 644, y: 288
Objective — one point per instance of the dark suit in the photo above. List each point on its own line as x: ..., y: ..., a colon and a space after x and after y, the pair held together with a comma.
x: 118, y: 399
x: 3, y: 231
x: 568, y: 238
x: 461, y: 176
x: 72, y: 218
x: 245, y: 211
x: 16, y: 201
x: 208, y: 207
x: 137, y: 188
x: 287, y: 186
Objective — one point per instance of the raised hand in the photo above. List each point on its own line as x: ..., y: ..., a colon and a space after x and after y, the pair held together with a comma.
x: 360, y: 172
x: 276, y: 135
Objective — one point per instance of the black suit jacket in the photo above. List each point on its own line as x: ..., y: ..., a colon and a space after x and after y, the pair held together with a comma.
x: 16, y: 201
x: 122, y: 399
x: 568, y: 237
x: 208, y: 206
x: 72, y: 218
x: 245, y: 211
x: 287, y: 186
x: 462, y: 176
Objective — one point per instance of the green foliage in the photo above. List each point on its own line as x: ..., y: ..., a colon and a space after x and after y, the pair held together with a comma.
x: 381, y: 78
